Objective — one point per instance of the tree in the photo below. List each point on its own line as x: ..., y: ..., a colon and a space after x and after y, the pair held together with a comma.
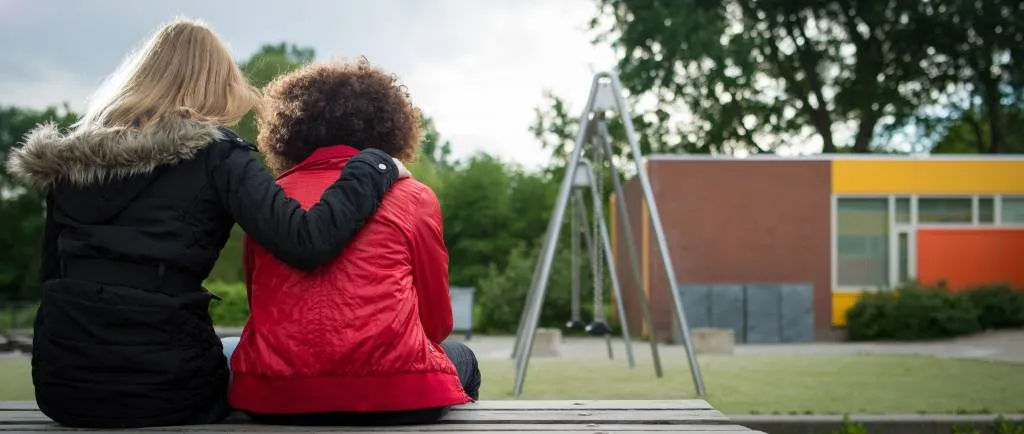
x: 264, y: 66
x: 757, y: 74
x: 477, y: 215
x: 20, y: 207
x: 979, y: 51
x: 432, y: 148
x: 972, y: 134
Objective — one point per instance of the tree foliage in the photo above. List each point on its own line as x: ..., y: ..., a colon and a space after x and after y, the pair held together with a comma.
x: 762, y: 75
x: 21, y: 208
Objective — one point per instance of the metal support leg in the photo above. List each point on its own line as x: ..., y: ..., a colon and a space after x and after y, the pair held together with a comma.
x: 606, y: 250
x: 645, y: 308
x: 659, y: 233
x: 548, y: 250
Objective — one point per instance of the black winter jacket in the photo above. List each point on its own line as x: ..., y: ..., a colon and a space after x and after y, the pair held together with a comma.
x: 135, y: 221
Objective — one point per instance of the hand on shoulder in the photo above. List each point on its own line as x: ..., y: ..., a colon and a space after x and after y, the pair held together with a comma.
x: 402, y: 171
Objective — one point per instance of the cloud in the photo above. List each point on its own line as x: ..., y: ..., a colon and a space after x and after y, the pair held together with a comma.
x: 478, y: 67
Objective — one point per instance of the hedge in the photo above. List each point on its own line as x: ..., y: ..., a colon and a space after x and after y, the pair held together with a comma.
x: 920, y: 312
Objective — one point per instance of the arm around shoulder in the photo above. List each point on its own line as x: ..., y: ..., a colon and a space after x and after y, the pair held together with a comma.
x: 303, y: 239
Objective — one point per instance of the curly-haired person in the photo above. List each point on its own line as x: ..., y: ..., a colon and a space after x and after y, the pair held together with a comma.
x: 360, y: 341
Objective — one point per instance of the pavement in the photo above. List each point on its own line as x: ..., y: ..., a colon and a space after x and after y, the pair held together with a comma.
x: 1001, y: 346
x: 998, y: 346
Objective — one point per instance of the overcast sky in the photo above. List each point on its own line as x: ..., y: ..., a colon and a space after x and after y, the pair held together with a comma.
x: 478, y: 67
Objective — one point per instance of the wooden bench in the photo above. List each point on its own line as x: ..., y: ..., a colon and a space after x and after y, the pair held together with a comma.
x: 594, y: 417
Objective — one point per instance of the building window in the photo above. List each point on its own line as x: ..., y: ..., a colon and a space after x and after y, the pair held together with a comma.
x: 1013, y: 210
x: 862, y: 242
x: 944, y: 210
x: 902, y: 210
x: 986, y: 210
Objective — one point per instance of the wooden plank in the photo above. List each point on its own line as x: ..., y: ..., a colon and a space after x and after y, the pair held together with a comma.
x: 442, y: 428
x: 680, y: 404
x: 503, y: 416
x: 637, y: 404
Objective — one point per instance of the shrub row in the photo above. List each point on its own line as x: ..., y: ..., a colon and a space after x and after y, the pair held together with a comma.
x: 919, y: 312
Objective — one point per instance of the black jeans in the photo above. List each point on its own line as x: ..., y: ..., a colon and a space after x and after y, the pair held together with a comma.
x: 469, y: 375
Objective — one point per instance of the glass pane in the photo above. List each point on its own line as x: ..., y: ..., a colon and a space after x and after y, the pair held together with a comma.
x: 862, y: 242
x: 904, y: 258
x: 986, y: 210
x: 944, y: 210
x: 1013, y: 210
x: 902, y: 210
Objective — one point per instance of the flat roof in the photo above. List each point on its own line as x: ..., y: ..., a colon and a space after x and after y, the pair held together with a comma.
x: 831, y: 157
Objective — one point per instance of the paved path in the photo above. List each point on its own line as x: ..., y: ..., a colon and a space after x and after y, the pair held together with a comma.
x: 1002, y: 346
x: 1005, y: 346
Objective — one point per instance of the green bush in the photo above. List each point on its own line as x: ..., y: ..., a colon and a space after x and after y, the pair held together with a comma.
x: 501, y: 297
x: 999, y: 305
x: 913, y: 312
x: 917, y: 312
x: 17, y: 315
x: 232, y: 310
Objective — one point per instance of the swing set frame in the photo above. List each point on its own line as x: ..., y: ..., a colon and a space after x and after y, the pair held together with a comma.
x: 605, y: 98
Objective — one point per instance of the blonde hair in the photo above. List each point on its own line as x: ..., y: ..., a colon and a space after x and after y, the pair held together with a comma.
x: 183, y: 70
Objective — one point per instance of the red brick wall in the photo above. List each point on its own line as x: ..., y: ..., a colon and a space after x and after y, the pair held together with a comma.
x: 737, y: 221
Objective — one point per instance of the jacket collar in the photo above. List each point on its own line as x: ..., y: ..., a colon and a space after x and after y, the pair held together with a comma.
x: 323, y: 157
x: 91, y: 154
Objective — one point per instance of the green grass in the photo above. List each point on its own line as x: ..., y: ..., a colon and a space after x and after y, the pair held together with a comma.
x: 15, y: 379
x: 782, y: 384
x: 762, y: 384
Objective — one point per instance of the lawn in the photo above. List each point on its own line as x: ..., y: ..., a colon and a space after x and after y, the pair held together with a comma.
x: 750, y: 384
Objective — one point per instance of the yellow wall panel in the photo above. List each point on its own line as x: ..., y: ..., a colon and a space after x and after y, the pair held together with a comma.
x: 928, y: 176
x: 842, y: 302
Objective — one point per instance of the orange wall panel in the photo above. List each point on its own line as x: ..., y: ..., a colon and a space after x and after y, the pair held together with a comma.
x: 966, y: 257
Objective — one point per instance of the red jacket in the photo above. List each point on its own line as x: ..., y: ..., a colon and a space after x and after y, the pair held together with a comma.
x: 362, y: 333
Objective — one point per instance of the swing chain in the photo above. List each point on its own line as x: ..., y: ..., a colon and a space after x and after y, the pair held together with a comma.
x: 574, y: 254
x: 597, y: 258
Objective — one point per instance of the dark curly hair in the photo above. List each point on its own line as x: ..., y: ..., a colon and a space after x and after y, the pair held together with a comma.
x: 336, y: 103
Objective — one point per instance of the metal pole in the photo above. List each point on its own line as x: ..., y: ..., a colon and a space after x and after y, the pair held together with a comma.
x: 529, y: 300
x: 575, y: 246
x: 516, y: 347
x: 548, y: 256
x: 548, y: 249
x: 606, y: 249
x: 659, y: 233
x: 634, y: 258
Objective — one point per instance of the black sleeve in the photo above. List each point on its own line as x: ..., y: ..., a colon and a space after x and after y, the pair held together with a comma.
x: 51, y: 258
x: 302, y: 239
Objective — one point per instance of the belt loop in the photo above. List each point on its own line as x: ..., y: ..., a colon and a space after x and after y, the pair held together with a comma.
x: 63, y: 266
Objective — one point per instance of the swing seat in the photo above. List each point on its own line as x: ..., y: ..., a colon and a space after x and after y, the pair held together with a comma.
x: 599, y: 328
x: 575, y: 325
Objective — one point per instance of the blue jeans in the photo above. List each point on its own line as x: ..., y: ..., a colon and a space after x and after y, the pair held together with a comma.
x: 229, y: 348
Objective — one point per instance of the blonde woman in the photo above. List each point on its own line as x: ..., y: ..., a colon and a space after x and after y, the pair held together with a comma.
x: 141, y: 197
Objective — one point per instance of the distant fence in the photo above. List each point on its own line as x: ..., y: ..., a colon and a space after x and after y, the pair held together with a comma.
x: 462, y: 309
x: 757, y: 313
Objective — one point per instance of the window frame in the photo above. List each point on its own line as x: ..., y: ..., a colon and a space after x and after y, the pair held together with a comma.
x: 911, y: 228
x: 972, y: 201
x: 999, y: 205
x: 890, y: 217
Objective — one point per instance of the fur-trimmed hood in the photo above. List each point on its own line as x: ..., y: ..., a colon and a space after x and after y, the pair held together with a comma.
x: 93, y: 155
